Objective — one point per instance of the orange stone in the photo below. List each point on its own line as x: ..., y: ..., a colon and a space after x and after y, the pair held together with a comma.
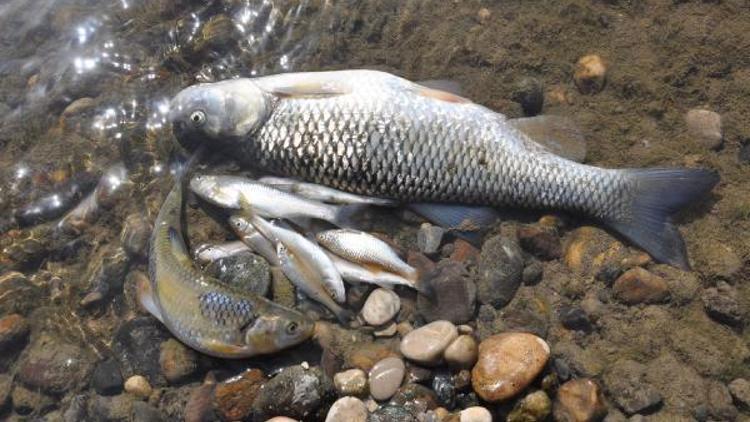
x: 640, y: 286
x: 579, y: 400
x: 234, y: 398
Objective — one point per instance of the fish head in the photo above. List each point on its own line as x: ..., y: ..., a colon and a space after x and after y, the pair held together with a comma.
x: 278, y: 330
x: 240, y: 224
x: 218, y: 112
x: 216, y: 190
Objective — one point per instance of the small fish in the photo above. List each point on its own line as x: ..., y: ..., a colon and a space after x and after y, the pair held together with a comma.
x: 324, y: 193
x: 232, y: 192
x: 365, y: 249
x: 257, y: 243
x: 376, y: 134
x: 355, y: 273
x: 207, y: 253
x: 201, y: 312
x: 300, y: 247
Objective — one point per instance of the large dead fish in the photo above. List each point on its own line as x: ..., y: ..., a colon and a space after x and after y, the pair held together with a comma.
x: 376, y: 134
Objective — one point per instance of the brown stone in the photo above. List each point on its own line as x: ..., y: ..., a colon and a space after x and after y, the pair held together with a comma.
x: 507, y: 364
x: 177, y: 362
x: 579, y: 400
x: 464, y: 252
x: 640, y: 286
x: 540, y: 242
x: 233, y: 398
x: 199, y: 407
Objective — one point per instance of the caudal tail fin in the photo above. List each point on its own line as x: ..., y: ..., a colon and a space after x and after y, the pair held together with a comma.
x: 657, y: 194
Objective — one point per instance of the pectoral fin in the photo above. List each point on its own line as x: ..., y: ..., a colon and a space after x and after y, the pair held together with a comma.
x: 146, y: 298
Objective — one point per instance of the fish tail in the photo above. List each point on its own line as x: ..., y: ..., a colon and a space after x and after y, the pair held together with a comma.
x: 656, y: 195
x: 346, y: 214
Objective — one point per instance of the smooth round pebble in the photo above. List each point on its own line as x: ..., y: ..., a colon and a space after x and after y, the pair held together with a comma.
x: 381, y: 306
x: 426, y: 344
x: 475, y: 414
x: 352, y: 382
x: 281, y: 419
x: 579, y: 400
x: 347, y: 409
x: 462, y: 353
x: 389, y: 330
x: 705, y: 127
x: 138, y: 385
x: 386, y: 377
x: 507, y: 364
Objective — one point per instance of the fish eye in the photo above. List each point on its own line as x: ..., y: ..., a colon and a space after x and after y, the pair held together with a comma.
x: 292, y: 328
x: 198, y: 117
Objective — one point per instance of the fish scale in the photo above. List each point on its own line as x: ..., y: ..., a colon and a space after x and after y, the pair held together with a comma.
x: 416, y: 160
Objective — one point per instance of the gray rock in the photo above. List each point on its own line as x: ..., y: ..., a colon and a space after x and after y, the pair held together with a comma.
x: 454, y: 297
x: 429, y: 238
x: 245, y: 270
x: 111, y: 408
x: 415, y: 398
x: 385, y: 378
x: 529, y: 92
x: 574, y: 318
x: 625, y: 382
x: 14, y: 330
x: 144, y: 412
x: 534, y: 407
x: 532, y: 273
x: 445, y: 390
x: 740, y: 390
x: 722, y: 304
x: 719, y: 402
x: 54, y: 366
x: 500, y: 268
x: 743, y: 155
x: 390, y: 414
x: 295, y: 392
x: 107, y: 379
x: 136, y: 346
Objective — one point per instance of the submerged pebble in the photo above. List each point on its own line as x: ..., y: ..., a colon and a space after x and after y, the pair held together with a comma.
x: 722, y: 304
x: 590, y: 74
x: 177, y: 361
x: 705, y: 127
x: 429, y: 238
x: 740, y: 390
x: 13, y: 331
x: 500, y: 268
x: 640, y: 286
x: 529, y: 92
x: 54, y: 366
x: 352, y: 382
x: 295, y: 392
x: 454, y: 294
x: 347, y: 409
x: 426, y: 344
x: 385, y: 378
x: 579, y: 400
x: 107, y: 379
x: 475, y: 414
x: 380, y: 307
x: 138, y: 386
x: 244, y: 270
x: 462, y: 352
x: 507, y: 363
x: 536, y: 406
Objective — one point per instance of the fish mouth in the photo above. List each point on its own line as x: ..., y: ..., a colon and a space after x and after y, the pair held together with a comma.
x: 190, y: 140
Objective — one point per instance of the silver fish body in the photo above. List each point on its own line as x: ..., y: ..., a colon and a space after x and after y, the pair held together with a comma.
x: 302, y: 249
x: 364, y: 248
x: 355, y: 273
x: 375, y: 134
x: 238, y: 192
x: 324, y: 193
x: 208, y: 252
x: 207, y: 315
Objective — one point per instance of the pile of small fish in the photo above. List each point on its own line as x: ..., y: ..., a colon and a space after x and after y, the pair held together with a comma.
x: 319, y: 266
x: 316, y: 265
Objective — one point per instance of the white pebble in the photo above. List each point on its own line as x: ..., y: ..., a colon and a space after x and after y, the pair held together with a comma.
x: 381, y: 306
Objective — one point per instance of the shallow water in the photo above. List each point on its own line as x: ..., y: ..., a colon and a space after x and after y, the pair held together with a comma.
x: 87, y: 157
